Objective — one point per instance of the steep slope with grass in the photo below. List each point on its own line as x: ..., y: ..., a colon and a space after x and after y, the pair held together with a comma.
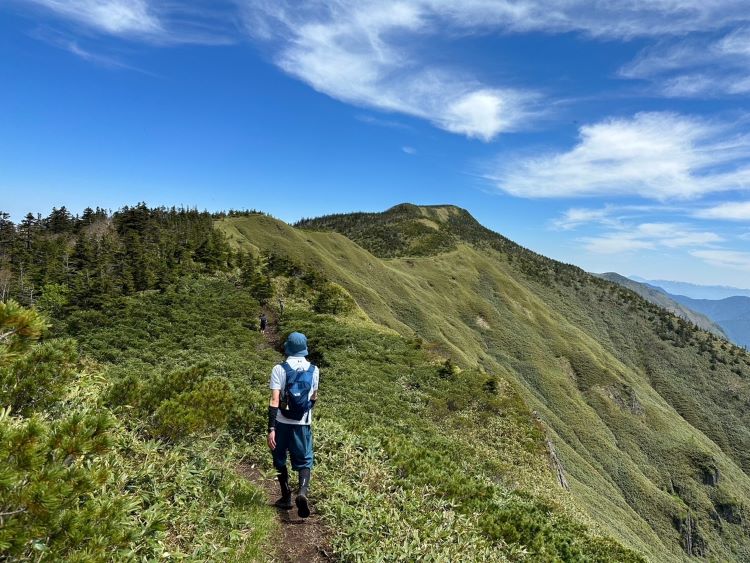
x: 658, y: 296
x: 646, y: 414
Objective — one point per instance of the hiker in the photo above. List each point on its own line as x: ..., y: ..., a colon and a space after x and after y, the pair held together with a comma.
x: 263, y: 322
x: 294, y: 390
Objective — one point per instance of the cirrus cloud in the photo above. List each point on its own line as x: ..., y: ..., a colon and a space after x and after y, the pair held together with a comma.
x: 117, y: 17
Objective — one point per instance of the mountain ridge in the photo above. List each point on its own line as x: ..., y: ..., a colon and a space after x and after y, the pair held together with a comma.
x: 595, y: 361
x: 663, y: 299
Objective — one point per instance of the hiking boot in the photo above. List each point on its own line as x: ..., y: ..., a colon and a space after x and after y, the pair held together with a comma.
x: 285, y: 502
x: 303, y: 506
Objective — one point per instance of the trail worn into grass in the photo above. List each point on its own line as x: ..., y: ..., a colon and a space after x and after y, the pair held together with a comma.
x: 300, y: 540
x: 271, y: 334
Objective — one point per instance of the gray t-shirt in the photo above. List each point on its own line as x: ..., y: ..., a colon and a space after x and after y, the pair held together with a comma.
x: 278, y: 381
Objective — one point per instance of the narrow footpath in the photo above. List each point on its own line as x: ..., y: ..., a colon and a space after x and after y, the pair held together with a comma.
x: 301, y: 540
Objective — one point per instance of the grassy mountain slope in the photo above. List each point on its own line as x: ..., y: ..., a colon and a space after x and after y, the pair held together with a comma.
x: 393, y: 477
x: 731, y: 313
x: 659, y: 297
x: 644, y: 410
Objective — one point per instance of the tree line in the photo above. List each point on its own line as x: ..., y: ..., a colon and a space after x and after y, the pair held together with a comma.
x: 81, y: 260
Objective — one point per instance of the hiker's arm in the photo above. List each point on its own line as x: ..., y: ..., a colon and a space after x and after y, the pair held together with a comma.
x: 273, y: 408
x: 314, y: 396
x: 275, y: 398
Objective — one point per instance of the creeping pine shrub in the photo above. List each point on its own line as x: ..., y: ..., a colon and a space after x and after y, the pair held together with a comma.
x: 181, y: 402
x: 36, y: 380
x: 50, y: 476
x: 207, y: 406
x: 332, y: 299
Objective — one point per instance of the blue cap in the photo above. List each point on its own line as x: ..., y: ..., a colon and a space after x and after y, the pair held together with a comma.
x: 296, y: 344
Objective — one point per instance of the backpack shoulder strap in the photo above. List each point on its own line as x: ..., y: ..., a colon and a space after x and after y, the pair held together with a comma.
x: 291, y: 373
x: 311, y: 369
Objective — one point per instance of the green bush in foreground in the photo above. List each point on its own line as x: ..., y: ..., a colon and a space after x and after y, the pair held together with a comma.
x: 75, y: 485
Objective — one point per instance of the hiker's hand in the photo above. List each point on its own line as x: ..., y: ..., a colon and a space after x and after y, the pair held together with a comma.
x: 272, y: 439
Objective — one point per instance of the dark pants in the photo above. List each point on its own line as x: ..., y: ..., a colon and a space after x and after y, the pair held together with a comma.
x: 297, y: 440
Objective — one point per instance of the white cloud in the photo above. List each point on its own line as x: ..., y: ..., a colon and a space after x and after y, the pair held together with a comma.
x: 725, y: 258
x: 577, y: 216
x: 649, y: 236
x: 156, y: 22
x: 376, y: 53
x: 409, y: 150
x: 733, y: 211
x: 355, y: 52
x: 118, y: 17
x: 689, y: 68
x: 653, y: 155
x: 614, y: 244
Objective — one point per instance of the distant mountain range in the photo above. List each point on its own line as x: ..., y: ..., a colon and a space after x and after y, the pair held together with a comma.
x: 695, y: 291
x: 732, y: 314
x: 660, y: 297
x: 727, y: 316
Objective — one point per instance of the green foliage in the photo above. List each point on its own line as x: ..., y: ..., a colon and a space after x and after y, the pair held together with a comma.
x: 333, y: 299
x: 185, y: 358
x: 19, y: 328
x: 77, y: 486
x: 54, y: 298
x: 50, y: 476
x: 36, y: 380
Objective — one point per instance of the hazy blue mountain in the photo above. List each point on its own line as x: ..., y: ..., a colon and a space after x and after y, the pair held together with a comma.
x: 695, y: 291
x: 731, y: 314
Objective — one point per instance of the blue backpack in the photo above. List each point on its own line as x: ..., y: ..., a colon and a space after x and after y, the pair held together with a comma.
x: 297, y: 391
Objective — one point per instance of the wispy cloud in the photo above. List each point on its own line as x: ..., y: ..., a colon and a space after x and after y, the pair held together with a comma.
x: 689, y: 68
x: 725, y: 258
x: 118, y: 17
x: 358, y: 52
x: 363, y: 52
x: 409, y: 150
x: 160, y: 23
x: 390, y: 123
x: 577, y: 216
x: 658, y: 156
x: 732, y: 211
x: 650, y: 236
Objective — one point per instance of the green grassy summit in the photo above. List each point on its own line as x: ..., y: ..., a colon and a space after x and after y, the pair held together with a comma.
x: 646, y: 412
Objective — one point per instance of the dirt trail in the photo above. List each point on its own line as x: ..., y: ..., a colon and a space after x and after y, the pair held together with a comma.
x: 301, y: 540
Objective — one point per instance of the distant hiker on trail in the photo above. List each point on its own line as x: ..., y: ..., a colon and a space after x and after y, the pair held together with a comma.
x: 263, y: 322
x: 294, y: 390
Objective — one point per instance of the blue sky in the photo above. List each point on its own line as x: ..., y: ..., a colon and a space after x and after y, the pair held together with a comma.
x: 615, y: 138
